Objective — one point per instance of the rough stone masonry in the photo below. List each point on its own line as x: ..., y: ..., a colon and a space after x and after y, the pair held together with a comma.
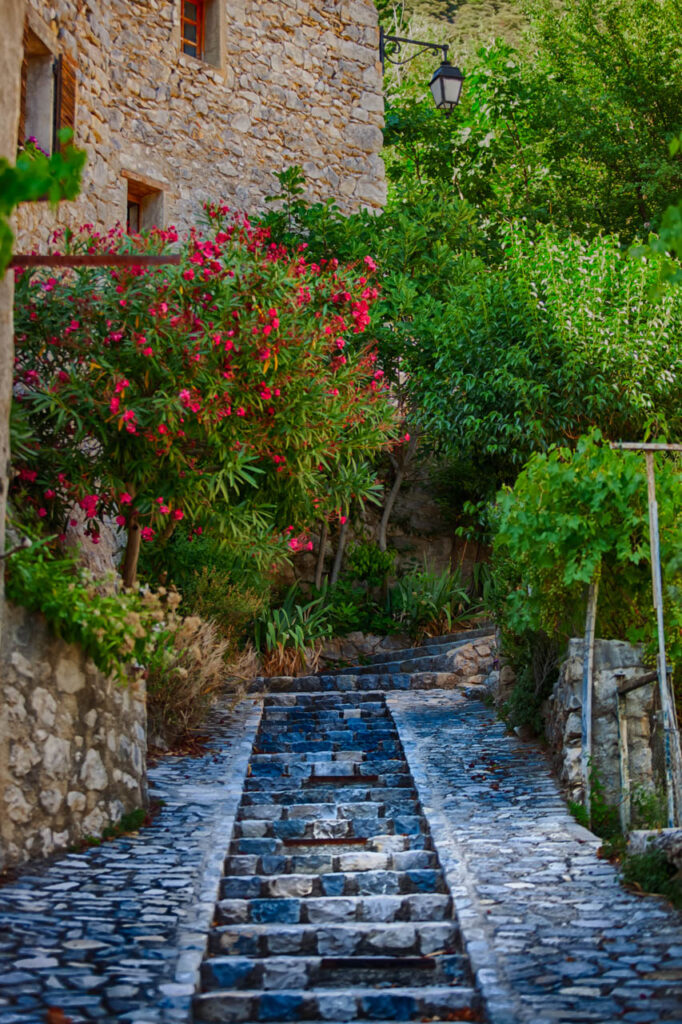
x: 291, y: 82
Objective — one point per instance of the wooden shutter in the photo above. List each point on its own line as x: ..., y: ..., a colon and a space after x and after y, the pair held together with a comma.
x: 24, y: 76
x: 64, y: 96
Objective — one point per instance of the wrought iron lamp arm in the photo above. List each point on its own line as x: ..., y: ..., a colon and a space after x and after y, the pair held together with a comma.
x: 383, y: 39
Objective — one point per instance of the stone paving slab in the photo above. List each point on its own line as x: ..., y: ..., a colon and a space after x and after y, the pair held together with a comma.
x: 552, y: 935
x: 118, y: 933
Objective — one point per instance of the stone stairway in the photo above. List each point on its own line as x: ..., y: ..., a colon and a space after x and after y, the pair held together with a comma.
x: 333, y: 906
x: 416, y: 668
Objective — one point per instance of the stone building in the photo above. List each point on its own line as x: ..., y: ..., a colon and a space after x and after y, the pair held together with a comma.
x: 177, y: 101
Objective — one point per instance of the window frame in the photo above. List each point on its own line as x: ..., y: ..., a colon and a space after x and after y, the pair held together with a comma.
x: 200, y: 24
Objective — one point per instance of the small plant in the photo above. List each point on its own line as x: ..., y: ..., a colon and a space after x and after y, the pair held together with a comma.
x: 428, y: 603
x: 289, y: 637
x: 184, y: 674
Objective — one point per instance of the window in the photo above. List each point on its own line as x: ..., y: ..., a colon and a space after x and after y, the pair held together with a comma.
x: 144, y: 205
x: 192, y: 27
x: 48, y: 94
x: 202, y: 29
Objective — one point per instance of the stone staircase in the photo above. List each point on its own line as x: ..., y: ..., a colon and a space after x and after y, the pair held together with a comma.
x: 333, y: 906
x: 416, y: 668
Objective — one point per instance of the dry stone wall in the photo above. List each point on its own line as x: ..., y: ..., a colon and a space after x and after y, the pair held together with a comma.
x: 615, y: 662
x: 288, y: 82
x: 72, y: 743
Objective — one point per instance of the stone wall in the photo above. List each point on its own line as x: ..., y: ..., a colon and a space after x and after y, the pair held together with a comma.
x: 10, y: 77
x: 72, y: 743
x: 285, y: 82
x: 614, y: 662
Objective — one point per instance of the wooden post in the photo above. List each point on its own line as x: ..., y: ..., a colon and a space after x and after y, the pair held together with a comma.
x: 671, y: 738
x: 588, y: 672
x: 624, y: 762
x: 668, y: 722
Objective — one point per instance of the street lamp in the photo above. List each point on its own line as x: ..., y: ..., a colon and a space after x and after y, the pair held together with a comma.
x: 447, y: 81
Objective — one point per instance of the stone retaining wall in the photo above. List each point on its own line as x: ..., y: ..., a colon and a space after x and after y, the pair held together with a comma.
x: 72, y: 743
x: 614, y: 662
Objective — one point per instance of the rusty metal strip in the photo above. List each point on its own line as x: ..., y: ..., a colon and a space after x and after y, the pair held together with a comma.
x: 385, y: 963
x: 342, y: 780
x: 336, y: 841
x: 111, y: 259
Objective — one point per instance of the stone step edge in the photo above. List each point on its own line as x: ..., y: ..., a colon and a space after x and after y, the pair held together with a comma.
x: 451, y: 996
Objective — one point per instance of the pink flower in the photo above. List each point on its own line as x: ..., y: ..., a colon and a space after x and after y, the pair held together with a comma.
x: 121, y: 520
x: 188, y: 274
x: 369, y: 262
x: 309, y: 546
x: 73, y: 522
x: 185, y: 397
x: 114, y: 405
x: 343, y: 519
x: 42, y: 512
x: 63, y: 377
x: 178, y: 514
x: 148, y: 351
x: 49, y: 494
x: 164, y: 510
x: 146, y: 533
x: 407, y: 437
x: 95, y: 538
x: 125, y: 498
x: 293, y: 543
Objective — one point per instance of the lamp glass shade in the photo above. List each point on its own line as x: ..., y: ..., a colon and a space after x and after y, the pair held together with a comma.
x: 446, y: 86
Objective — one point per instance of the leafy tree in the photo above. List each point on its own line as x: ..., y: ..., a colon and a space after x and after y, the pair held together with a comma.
x: 223, y: 391
x: 575, y: 515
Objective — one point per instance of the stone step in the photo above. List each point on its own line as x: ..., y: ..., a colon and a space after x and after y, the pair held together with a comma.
x: 234, y: 972
x: 314, y: 811
x: 331, y: 828
x: 331, y: 909
x: 326, y: 701
x: 346, y: 847
x: 263, y: 784
x: 326, y: 762
x: 432, y: 645
x: 366, y: 715
x: 349, y: 883
x: 318, y: 863
x: 357, y: 939
x: 311, y: 749
x: 390, y: 796
x: 341, y: 1004
x: 375, y: 678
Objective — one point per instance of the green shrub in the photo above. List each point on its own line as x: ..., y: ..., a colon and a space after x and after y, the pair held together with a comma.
x: 368, y: 564
x: 113, y: 626
x: 216, y: 582
x: 652, y: 872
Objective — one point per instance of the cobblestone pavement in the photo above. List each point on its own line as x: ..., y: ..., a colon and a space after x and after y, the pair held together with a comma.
x: 117, y: 933
x: 551, y: 933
